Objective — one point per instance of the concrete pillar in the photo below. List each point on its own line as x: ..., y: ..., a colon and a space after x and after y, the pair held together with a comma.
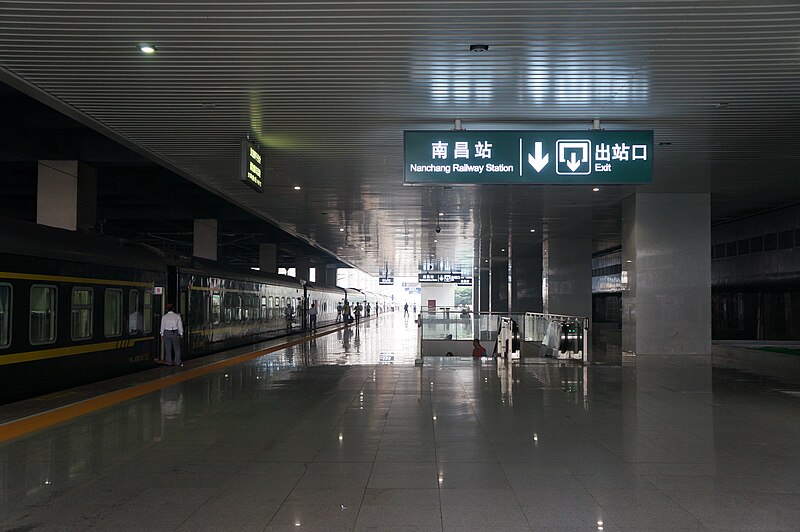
x: 666, y: 274
x: 499, y: 284
x: 526, y: 278
x: 567, y: 275
x: 205, y: 239
x: 301, y: 267
x: 268, y: 258
x: 483, y: 287
x: 66, y: 195
x: 330, y: 276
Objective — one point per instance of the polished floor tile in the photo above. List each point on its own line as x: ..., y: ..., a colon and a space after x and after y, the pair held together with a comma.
x: 345, y: 433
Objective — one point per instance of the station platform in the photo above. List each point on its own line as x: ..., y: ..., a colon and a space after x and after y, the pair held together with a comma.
x: 343, y: 432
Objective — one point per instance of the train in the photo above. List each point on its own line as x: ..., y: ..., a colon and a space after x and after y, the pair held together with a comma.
x: 77, y: 308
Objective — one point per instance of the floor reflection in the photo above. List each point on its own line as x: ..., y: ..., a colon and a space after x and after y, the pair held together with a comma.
x: 345, y: 432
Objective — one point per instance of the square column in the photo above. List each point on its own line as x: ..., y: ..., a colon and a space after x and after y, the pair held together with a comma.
x: 666, y: 274
x: 301, y: 267
x: 205, y: 239
x: 330, y: 276
x: 268, y: 258
x: 66, y: 195
x: 526, y: 278
x: 567, y: 275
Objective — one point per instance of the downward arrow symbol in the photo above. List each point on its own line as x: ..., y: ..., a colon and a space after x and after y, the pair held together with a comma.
x: 573, y: 162
x: 537, y: 160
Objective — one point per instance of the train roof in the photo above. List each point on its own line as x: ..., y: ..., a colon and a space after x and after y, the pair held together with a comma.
x: 324, y: 287
x: 200, y: 266
x: 28, y: 239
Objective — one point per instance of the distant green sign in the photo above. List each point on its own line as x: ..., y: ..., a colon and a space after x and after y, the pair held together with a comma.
x: 251, y: 168
x: 593, y: 157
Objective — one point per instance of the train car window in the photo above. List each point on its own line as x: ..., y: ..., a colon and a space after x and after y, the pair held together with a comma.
x: 264, y: 307
x: 82, y: 304
x: 147, y: 312
x: 134, y: 316
x: 5, y: 315
x: 226, y: 307
x: 237, y: 311
x: 246, y: 310
x: 112, y: 312
x: 216, y: 308
x: 43, y: 314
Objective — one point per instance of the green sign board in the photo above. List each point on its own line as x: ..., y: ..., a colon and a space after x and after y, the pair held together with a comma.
x: 251, y: 167
x: 593, y: 157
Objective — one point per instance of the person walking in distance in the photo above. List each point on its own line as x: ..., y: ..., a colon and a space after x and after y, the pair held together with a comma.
x: 172, y: 333
x: 346, y: 315
x: 405, y: 310
x: 339, y: 310
x: 312, y: 317
x: 357, y: 313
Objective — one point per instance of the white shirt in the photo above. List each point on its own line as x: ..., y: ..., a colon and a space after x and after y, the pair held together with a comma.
x: 172, y: 322
x: 312, y: 311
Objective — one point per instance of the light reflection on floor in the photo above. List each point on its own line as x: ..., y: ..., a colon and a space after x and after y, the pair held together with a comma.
x: 345, y: 433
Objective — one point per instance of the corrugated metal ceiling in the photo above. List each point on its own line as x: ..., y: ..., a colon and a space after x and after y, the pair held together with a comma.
x: 328, y: 88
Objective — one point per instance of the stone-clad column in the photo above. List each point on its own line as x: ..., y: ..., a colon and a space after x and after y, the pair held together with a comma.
x: 666, y: 274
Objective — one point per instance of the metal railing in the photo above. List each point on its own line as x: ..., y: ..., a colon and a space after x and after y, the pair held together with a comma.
x: 535, y: 328
x: 445, y: 324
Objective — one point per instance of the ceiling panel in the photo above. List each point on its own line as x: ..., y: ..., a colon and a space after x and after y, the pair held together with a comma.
x: 328, y: 88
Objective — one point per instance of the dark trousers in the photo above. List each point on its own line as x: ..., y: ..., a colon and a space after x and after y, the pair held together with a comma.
x: 172, y: 345
x: 312, y: 322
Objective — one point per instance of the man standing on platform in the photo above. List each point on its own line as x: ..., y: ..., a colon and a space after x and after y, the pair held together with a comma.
x: 172, y: 333
x: 312, y: 318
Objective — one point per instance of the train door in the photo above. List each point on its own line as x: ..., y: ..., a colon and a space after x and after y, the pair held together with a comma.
x: 152, y: 310
x: 183, y: 310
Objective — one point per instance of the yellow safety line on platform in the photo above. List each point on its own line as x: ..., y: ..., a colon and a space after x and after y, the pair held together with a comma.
x: 21, y: 427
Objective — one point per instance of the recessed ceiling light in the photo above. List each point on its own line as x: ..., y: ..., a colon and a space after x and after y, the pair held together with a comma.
x: 435, y: 240
x: 478, y: 48
x: 147, y: 48
x: 441, y: 214
x: 502, y: 249
x: 297, y: 187
x: 596, y: 189
x: 341, y: 229
x: 533, y: 230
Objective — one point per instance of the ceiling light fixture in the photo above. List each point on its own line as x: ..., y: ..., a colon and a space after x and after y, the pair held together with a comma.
x: 297, y: 187
x: 596, y: 189
x: 341, y: 229
x: 147, y: 48
x: 533, y: 230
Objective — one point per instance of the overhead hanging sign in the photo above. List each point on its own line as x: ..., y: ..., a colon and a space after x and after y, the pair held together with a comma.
x: 252, y: 166
x: 465, y: 281
x: 594, y: 157
x: 452, y: 277
x: 386, y: 281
